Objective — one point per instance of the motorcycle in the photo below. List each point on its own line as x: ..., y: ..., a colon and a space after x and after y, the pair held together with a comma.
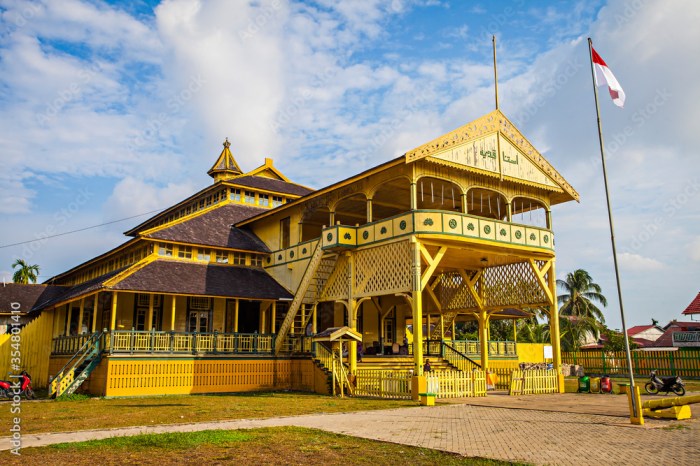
x: 667, y: 384
x: 9, y: 389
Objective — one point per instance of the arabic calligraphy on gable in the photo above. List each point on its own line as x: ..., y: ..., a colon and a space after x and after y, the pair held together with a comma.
x: 516, y: 165
x: 481, y: 153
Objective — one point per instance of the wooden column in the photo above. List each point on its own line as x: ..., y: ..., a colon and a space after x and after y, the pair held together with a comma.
x: 261, y: 326
x: 113, y: 320
x: 69, y: 315
x: 314, y: 324
x: 149, y: 317
x: 80, y: 316
x: 484, y: 338
x: 414, y: 196
x: 173, y: 306
x: 554, y: 333
x: 509, y: 212
x: 549, y: 219
x: 352, y: 314
x: 235, y: 317
x: 95, y: 300
x: 273, y: 317
x: 417, y: 308
x: 369, y: 210
x: 465, y: 207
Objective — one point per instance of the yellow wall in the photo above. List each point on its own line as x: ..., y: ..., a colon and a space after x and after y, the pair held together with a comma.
x: 532, y: 352
x: 34, y: 349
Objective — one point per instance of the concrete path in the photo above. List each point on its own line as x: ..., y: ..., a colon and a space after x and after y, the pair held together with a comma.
x: 567, y: 429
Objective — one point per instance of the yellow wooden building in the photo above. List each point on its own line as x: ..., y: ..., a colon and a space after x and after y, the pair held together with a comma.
x: 226, y: 290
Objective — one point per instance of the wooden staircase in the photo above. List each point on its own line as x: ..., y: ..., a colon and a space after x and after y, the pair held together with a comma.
x: 310, y: 288
x: 447, y: 319
x: 78, y: 368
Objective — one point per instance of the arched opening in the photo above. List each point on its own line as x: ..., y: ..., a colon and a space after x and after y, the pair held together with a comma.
x: 437, y: 194
x: 487, y: 203
x: 528, y: 211
x: 352, y: 210
x: 313, y: 222
x: 392, y: 197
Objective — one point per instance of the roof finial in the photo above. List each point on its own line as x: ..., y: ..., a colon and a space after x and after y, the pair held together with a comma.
x: 227, y: 144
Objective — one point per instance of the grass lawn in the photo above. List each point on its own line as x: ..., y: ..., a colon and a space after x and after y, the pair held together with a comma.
x: 92, y: 413
x: 279, y: 445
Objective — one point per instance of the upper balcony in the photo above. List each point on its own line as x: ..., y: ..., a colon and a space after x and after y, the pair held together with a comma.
x: 448, y: 225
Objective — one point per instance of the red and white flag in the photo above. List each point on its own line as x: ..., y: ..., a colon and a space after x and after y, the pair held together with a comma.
x: 603, y: 76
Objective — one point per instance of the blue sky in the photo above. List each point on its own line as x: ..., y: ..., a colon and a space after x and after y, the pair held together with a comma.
x: 109, y: 111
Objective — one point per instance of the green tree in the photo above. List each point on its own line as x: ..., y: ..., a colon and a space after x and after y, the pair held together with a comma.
x: 579, y: 314
x: 25, y: 273
x: 615, y: 341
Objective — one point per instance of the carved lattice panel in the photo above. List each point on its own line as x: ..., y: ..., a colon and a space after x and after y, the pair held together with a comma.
x: 383, y: 269
x: 337, y: 285
x: 453, y: 292
x: 512, y: 285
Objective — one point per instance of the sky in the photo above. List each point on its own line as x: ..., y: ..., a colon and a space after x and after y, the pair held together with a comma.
x: 111, y: 110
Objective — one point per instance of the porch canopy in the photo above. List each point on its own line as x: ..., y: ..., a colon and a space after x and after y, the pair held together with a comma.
x: 337, y: 333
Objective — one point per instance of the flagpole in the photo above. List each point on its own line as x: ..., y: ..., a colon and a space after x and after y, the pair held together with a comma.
x: 635, y: 408
x: 495, y: 70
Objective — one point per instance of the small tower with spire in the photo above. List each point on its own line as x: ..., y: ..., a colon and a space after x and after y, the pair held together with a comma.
x: 225, y: 167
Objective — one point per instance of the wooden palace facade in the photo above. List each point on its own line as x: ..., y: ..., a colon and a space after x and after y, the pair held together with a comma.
x: 246, y: 284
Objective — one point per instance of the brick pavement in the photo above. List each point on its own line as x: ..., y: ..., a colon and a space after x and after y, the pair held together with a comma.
x: 536, y: 429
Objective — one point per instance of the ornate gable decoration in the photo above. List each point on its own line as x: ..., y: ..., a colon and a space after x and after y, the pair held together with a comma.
x: 476, y: 145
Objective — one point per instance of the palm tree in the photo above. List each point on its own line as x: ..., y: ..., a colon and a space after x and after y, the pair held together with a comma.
x: 580, y: 316
x: 26, y: 273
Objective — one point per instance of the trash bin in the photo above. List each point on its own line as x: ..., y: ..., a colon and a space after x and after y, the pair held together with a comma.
x: 606, y: 384
x: 595, y: 384
x: 584, y: 384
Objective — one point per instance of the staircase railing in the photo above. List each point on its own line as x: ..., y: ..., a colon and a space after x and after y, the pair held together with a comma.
x: 82, y: 362
x: 339, y: 371
x: 460, y: 360
x: 298, y: 297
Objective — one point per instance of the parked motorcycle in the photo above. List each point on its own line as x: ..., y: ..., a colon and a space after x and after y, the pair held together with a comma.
x: 25, y: 386
x: 667, y: 384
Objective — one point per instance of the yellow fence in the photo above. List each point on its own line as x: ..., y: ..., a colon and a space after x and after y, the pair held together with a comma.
x: 29, y: 350
x: 534, y: 382
x: 685, y: 362
x: 383, y: 384
x: 457, y: 384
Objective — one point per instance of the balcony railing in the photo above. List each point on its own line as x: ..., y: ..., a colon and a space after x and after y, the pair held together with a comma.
x: 154, y: 342
x: 441, y: 223
x: 470, y: 348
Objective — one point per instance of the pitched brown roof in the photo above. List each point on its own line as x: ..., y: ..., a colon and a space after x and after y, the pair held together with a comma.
x: 26, y: 296
x: 270, y: 184
x: 164, y: 276
x: 76, y: 291
x: 214, y: 228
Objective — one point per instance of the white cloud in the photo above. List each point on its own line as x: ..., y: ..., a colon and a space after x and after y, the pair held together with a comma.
x: 694, y: 249
x: 637, y: 263
x: 132, y: 196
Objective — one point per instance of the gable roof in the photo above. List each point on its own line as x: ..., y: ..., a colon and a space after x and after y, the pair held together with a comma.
x: 214, y: 228
x: 28, y: 296
x: 640, y: 328
x: 693, y: 307
x: 459, y: 148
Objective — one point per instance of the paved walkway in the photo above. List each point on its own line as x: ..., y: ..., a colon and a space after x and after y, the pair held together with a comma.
x: 567, y: 429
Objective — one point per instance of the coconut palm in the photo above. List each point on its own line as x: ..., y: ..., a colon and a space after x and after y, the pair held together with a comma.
x: 579, y: 315
x: 25, y: 273
x: 580, y: 293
